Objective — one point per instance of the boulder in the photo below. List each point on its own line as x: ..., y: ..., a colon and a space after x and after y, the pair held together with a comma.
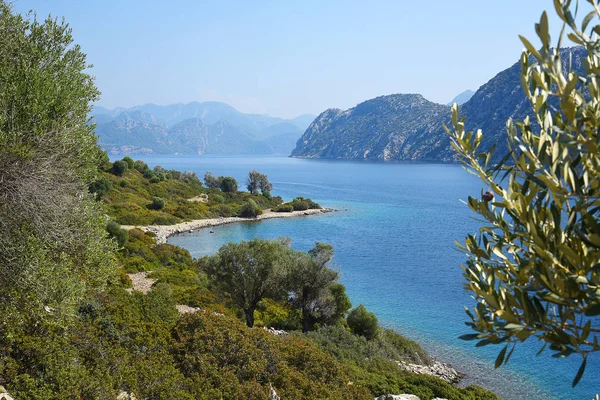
x: 398, y: 397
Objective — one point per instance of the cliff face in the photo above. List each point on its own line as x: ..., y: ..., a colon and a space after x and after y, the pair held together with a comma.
x: 409, y: 127
x: 384, y: 128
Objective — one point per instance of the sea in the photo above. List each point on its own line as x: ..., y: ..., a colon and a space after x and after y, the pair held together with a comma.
x: 393, y: 235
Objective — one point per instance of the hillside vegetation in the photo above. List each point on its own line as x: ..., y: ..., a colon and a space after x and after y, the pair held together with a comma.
x: 138, y: 195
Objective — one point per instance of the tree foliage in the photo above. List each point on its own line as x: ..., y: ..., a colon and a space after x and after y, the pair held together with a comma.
x: 309, y: 282
x: 228, y: 184
x: 257, y: 181
x: 250, y: 271
x: 363, y: 322
x: 53, y: 248
x: 211, y: 181
x: 533, y: 266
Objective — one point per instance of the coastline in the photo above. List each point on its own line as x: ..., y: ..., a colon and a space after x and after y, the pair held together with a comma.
x: 163, y: 232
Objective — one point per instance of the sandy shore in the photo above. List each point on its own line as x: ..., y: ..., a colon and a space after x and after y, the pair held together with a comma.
x: 164, y: 231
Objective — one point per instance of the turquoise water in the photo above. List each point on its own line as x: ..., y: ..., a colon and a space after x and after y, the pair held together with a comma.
x: 393, y: 238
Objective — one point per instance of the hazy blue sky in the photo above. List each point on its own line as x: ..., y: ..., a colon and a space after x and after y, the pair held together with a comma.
x: 287, y: 58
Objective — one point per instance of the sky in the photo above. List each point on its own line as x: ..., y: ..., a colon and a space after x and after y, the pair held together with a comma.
x: 286, y: 58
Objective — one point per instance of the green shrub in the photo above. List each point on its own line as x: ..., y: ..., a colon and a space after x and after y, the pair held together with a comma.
x: 278, y: 315
x: 157, y: 203
x: 250, y: 210
x: 115, y: 231
x: 287, y: 207
x: 119, y: 167
x: 363, y: 322
x: 217, y: 198
x: 300, y: 205
x: 100, y: 187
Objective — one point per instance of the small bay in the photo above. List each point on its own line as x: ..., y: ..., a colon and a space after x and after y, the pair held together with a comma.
x: 393, y: 236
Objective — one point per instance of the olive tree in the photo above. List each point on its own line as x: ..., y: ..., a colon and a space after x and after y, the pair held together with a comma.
x: 309, y: 282
x: 250, y: 271
x: 228, y: 184
x: 211, y: 181
x: 257, y: 181
x: 534, y: 266
x: 54, y: 247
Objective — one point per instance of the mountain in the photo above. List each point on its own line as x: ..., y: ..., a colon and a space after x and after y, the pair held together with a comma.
x: 384, y: 128
x: 462, y: 98
x: 408, y: 127
x: 195, y: 128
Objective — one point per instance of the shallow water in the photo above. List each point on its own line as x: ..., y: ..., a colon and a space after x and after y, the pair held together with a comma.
x: 393, y: 238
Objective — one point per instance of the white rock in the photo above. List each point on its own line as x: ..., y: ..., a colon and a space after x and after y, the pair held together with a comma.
x: 397, y: 397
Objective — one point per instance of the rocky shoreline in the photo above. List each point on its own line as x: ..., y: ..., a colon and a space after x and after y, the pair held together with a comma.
x: 163, y: 232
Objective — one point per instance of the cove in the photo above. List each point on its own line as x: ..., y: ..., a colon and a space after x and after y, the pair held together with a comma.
x: 393, y: 236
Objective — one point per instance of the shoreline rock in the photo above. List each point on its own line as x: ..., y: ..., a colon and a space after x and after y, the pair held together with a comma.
x: 163, y: 232
x: 438, y: 369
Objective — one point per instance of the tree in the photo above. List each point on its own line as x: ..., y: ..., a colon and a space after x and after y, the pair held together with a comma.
x: 264, y: 185
x: 54, y: 248
x: 309, y: 282
x: 131, y: 163
x: 257, y: 181
x: 249, y: 271
x: 533, y: 266
x: 211, y: 181
x: 363, y: 322
x: 252, y: 181
x: 228, y: 184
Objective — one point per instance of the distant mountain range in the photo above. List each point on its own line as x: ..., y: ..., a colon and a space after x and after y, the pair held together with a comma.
x: 409, y: 127
x: 195, y: 128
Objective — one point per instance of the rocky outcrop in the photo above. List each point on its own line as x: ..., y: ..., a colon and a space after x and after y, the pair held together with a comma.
x: 275, y: 332
x: 437, y: 369
x: 394, y: 127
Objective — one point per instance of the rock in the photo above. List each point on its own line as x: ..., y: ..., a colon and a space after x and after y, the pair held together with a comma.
x: 438, y: 369
x: 4, y: 394
x: 123, y: 395
x: 273, y: 393
x: 275, y: 332
x: 397, y: 397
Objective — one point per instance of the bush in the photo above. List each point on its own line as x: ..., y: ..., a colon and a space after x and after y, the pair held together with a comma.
x: 250, y: 210
x: 300, y: 205
x: 363, y: 322
x: 284, y: 208
x: 217, y: 198
x: 115, y: 231
x: 119, y: 167
x: 100, y: 187
x: 157, y: 203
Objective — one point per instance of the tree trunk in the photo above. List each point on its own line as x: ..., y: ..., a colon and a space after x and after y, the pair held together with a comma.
x: 249, y: 316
